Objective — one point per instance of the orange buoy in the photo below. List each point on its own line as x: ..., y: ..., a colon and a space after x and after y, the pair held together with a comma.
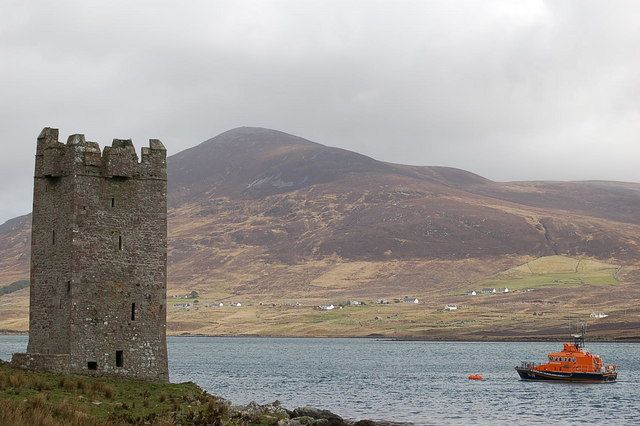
x: 475, y: 377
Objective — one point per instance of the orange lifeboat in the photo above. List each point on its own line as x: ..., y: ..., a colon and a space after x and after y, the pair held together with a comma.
x: 572, y: 364
x: 475, y: 377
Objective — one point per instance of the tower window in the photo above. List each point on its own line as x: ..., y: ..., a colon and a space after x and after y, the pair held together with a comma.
x: 53, y: 237
x: 92, y: 365
x: 113, y: 202
x: 119, y: 359
x: 119, y: 242
x: 133, y: 311
x: 68, y: 287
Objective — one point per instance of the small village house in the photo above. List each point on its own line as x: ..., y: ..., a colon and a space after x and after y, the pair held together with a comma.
x: 326, y: 307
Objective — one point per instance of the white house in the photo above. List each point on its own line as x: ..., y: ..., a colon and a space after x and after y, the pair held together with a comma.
x: 598, y: 315
x: 490, y: 290
x: 504, y: 290
x: 471, y: 293
x: 382, y: 302
x: 411, y: 300
x: 237, y: 304
x: 326, y: 307
x: 451, y: 308
x: 354, y: 303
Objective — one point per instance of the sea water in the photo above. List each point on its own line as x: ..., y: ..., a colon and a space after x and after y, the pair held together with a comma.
x: 416, y: 382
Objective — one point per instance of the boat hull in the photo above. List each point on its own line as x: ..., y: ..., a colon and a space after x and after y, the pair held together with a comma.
x: 537, y: 375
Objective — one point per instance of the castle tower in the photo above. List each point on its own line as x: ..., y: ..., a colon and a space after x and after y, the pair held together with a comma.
x: 98, y: 259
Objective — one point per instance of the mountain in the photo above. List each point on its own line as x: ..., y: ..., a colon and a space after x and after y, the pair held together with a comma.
x: 264, y: 216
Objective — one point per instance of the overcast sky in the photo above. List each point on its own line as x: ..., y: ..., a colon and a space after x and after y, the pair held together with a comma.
x: 512, y: 90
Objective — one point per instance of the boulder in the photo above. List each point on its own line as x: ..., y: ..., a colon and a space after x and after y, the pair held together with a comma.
x: 318, y: 414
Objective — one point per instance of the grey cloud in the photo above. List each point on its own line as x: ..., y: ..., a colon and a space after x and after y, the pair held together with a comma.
x: 510, y: 90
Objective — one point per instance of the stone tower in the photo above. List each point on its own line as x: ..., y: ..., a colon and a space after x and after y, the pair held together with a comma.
x: 98, y: 259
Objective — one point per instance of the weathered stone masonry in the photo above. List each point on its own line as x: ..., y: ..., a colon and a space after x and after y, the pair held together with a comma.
x: 98, y: 259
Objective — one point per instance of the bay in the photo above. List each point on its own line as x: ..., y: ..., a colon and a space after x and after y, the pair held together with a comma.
x: 417, y: 382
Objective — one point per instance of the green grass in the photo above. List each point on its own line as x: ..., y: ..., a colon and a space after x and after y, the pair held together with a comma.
x: 554, y: 271
x: 28, y: 397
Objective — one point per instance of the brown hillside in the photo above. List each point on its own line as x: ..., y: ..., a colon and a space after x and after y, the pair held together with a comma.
x: 263, y: 215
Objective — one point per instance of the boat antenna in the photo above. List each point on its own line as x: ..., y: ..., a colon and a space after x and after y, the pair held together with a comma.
x: 578, y: 338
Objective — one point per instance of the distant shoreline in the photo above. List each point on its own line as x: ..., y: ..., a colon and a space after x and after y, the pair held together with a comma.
x: 493, y: 339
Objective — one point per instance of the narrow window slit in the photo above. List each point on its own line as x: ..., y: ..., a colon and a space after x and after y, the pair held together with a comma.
x: 133, y: 311
x: 119, y: 359
x: 53, y: 237
x: 113, y: 202
x: 119, y: 242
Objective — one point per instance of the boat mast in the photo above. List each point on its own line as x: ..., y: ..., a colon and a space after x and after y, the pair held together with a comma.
x: 578, y: 338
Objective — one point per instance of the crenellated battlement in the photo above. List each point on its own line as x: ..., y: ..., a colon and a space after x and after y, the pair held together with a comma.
x: 81, y: 157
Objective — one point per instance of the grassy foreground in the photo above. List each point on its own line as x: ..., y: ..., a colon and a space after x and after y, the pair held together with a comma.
x: 34, y: 398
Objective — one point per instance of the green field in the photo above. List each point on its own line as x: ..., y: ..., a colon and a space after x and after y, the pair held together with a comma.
x: 554, y: 271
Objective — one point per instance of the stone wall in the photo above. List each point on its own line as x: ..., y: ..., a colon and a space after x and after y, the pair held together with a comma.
x: 98, y: 267
x: 38, y: 362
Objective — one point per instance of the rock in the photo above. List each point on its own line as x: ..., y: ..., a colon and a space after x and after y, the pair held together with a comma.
x: 300, y: 421
x: 256, y: 411
x: 318, y: 414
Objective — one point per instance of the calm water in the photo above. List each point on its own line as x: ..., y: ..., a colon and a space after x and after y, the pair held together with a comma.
x: 419, y: 382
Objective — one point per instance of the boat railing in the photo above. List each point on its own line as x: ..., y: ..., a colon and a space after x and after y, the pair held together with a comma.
x: 527, y: 364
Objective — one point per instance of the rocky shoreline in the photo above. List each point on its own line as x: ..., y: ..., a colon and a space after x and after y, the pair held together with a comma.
x: 302, y: 416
